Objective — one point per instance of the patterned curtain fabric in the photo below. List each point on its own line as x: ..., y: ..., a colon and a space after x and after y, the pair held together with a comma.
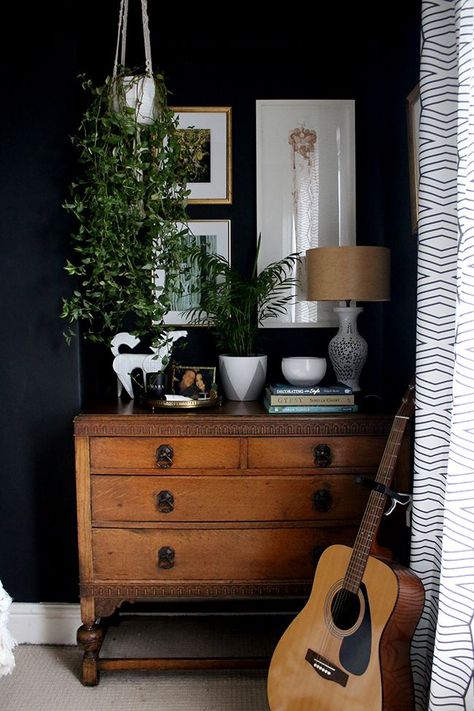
x: 443, y: 504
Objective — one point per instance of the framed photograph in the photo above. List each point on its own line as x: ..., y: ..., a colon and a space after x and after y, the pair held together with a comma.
x: 305, y: 190
x: 214, y: 236
x: 413, y: 119
x: 213, y: 183
x: 195, y: 381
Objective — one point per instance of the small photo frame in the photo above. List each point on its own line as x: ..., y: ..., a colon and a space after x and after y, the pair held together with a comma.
x: 214, y: 183
x: 197, y: 382
x: 214, y: 236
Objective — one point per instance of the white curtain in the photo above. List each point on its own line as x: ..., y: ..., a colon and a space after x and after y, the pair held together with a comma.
x: 443, y: 507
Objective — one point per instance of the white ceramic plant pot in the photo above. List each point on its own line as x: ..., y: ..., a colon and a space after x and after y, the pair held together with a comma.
x: 139, y: 94
x: 242, y: 377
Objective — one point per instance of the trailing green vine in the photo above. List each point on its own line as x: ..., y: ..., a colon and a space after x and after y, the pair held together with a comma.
x: 129, y: 202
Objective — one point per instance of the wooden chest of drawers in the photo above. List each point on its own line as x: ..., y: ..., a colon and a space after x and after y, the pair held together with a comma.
x: 228, y: 502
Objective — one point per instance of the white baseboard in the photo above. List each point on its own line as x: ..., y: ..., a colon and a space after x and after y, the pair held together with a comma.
x: 57, y: 623
x: 44, y: 623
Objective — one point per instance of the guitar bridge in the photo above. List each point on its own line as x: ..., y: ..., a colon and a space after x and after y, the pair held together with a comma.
x: 326, y: 669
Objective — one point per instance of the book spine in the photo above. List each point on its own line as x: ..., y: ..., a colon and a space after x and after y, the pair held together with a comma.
x: 310, y: 399
x: 316, y: 390
x: 308, y: 409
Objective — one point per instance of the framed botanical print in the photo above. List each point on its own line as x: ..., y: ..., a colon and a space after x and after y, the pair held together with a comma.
x: 214, y: 237
x: 212, y: 183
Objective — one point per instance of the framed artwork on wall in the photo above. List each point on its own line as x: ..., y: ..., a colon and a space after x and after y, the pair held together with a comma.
x: 305, y: 190
x: 214, y: 236
x: 213, y: 183
x: 413, y: 119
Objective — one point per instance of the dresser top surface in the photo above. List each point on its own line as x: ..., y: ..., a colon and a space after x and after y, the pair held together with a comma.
x: 230, y: 418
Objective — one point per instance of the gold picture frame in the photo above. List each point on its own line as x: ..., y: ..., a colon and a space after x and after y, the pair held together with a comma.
x: 413, y: 121
x: 215, y: 186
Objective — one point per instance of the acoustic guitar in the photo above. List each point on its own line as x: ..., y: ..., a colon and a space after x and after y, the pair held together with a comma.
x: 349, y: 647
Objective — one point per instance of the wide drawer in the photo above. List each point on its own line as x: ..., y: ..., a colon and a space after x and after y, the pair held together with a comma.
x: 320, y: 452
x: 212, y: 554
x: 231, y: 498
x: 143, y: 452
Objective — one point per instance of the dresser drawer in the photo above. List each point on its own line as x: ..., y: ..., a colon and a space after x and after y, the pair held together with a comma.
x: 143, y: 452
x: 212, y: 554
x: 231, y: 498
x: 311, y: 452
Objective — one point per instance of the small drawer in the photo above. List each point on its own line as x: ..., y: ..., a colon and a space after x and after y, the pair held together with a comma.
x: 232, y: 498
x: 164, y: 453
x: 312, y: 452
x: 213, y: 554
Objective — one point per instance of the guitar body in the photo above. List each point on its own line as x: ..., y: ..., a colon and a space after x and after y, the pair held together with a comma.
x: 342, y: 654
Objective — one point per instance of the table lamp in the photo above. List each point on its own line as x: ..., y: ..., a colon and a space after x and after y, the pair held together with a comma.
x: 348, y: 274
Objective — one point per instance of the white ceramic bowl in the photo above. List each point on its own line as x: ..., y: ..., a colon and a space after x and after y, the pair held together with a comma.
x: 302, y: 371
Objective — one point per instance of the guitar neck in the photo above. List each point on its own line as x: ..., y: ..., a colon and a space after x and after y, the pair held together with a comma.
x: 375, y: 506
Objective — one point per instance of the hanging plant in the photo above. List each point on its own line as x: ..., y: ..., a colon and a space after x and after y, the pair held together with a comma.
x: 129, y: 202
x: 130, y: 205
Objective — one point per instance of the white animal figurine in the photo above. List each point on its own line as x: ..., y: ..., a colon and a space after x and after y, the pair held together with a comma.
x: 124, y: 363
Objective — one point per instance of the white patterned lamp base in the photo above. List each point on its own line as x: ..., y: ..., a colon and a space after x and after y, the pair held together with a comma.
x: 348, y: 349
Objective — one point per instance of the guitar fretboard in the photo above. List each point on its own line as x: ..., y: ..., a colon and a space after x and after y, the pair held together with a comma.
x: 375, y: 507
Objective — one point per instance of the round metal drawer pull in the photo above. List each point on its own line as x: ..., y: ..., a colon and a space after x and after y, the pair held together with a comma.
x: 322, y: 500
x: 322, y: 455
x: 164, y: 456
x: 165, y: 502
x: 166, y: 558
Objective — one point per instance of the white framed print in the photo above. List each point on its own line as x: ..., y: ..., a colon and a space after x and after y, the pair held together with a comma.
x: 214, y: 237
x: 305, y: 190
x: 213, y: 185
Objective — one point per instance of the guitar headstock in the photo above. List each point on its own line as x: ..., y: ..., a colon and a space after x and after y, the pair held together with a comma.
x: 407, y: 408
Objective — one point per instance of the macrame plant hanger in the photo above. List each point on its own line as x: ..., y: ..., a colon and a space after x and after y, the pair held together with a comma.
x: 138, y: 92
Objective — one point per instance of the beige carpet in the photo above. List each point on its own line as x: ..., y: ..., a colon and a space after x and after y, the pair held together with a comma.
x: 47, y: 678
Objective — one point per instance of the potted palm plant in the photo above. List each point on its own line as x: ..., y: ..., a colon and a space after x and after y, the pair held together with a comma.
x: 234, y: 306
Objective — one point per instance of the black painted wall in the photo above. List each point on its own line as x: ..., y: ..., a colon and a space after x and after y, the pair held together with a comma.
x: 44, y: 382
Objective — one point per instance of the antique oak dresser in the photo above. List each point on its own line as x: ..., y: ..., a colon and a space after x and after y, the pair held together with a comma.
x: 227, y: 503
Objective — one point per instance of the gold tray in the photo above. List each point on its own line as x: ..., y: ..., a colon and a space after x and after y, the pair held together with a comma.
x: 181, y: 404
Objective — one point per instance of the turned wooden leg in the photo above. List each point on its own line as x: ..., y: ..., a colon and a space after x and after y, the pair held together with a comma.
x: 90, y: 638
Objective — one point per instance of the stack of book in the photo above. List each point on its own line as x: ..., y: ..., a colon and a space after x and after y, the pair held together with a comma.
x: 329, y: 398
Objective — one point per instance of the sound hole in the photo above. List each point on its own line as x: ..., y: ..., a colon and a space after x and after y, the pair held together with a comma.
x: 345, y: 609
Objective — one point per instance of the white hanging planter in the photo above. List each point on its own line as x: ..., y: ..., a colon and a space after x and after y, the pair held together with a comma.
x: 242, y: 377
x: 138, y: 93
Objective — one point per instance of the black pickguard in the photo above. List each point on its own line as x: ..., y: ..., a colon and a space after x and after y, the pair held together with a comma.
x: 354, y: 654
